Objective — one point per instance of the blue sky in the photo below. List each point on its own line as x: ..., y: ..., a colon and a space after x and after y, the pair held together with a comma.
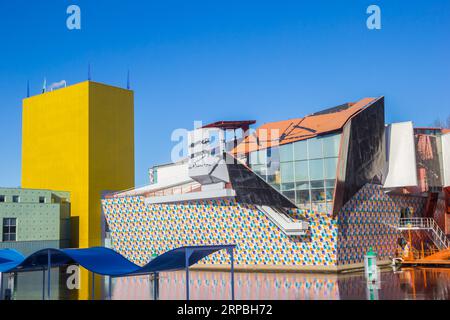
x: 225, y: 60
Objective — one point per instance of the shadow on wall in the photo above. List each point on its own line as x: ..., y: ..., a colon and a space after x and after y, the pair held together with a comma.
x: 74, y: 232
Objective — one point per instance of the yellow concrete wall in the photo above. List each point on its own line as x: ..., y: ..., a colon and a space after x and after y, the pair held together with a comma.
x: 111, y: 147
x: 80, y: 139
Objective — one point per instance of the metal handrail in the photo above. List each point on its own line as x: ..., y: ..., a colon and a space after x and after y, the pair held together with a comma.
x: 439, y: 236
x: 174, y: 190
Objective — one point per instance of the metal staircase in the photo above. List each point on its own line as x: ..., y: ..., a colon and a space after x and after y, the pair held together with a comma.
x: 428, y: 224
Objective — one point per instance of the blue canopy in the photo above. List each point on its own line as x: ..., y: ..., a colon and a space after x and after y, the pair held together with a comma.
x: 105, y: 261
x: 9, y: 259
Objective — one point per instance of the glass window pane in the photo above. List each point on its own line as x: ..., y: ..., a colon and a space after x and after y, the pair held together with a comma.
x: 330, y: 168
x: 290, y: 195
x: 303, y: 196
x: 276, y: 186
x: 315, y: 148
x: 273, y: 176
x: 287, y: 187
x: 273, y: 165
x: 253, y: 158
x: 286, y: 153
x: 302, y: 185
x: 330, y: 183
x: 287, y: 172
x: 258, y: 169
x: 331, y: 145
x: 301, y: 150
x: 318, y: 195
x: 258, y: 157
x: 261, y: 156
x: 329, y: 194
x: 273, y: 154
x: 317, y: 184
x: 12, y: 237
x: 301, y: 171
x: 316, y: 169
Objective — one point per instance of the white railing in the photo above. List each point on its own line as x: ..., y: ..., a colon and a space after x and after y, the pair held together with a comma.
x: 174, y: 190
x: 437, y: 235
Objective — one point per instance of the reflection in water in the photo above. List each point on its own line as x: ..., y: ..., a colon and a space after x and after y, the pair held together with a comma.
x: 405, y: 284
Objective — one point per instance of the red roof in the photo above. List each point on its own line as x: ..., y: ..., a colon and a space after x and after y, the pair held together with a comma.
x: 283, y: 132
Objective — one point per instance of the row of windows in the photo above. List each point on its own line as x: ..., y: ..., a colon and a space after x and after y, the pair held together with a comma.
x: 9, y: 229
x: 304, y: 171
x: 314, y: 148
x: 16, y: 199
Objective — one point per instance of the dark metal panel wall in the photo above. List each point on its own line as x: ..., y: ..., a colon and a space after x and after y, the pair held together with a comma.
x: 365, y: 156
x: 252, y: 189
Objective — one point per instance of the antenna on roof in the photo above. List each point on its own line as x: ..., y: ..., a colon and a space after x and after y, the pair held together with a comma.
x: 128, y: 80
x: 44, y: 86
x: 89, y: 72
x: 28, y: 88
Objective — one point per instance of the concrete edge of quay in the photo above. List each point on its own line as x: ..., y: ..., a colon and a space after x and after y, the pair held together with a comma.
x: 351, y: 268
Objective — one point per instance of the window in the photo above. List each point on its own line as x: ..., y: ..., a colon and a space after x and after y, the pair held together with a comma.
x: 315, y: 148
x: 9, y: 229
x: 304, y: 185
x: 301, y: 150
x: 303, y: 196
x: 330, y: 194
x: 2, y: 198
x: 16, y: 199
x: 316, y: 169
x: 331, y: 145
x: 287, y: 153
x: 318, y: 195
x: 304, y: 170
x: 301, y: 171
x: 258, y: 157
x: 287, y: 172
x: 41, y: 199
x: 330, y: 168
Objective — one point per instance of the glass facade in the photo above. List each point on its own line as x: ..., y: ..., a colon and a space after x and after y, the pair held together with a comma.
x: 304, y: 171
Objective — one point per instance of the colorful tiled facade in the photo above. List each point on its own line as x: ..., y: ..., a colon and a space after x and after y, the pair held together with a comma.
x: 139, y: 231
x: 368, y: 220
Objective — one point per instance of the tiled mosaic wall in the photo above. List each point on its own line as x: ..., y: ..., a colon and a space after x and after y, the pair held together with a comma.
x: 139, y: 231
x: 368, y: 220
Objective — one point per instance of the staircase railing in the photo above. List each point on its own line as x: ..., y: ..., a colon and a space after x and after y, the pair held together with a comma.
x: 437, y: 235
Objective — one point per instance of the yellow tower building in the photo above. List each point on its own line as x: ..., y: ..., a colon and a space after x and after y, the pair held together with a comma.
x: 80, y: 139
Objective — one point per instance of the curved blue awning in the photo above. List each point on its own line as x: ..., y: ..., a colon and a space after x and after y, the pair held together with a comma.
x: 105, y: 261
x: 9, y: 259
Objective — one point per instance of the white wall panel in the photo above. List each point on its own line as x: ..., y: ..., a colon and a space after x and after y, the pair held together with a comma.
x: 446, y: 158
x: 401, y: 156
